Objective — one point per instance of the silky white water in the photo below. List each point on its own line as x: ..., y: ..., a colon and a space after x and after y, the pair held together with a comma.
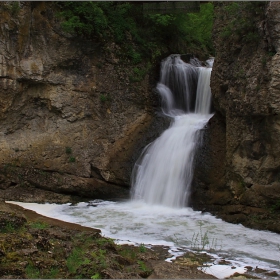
x: 164, y: 172
x: 136, y: 222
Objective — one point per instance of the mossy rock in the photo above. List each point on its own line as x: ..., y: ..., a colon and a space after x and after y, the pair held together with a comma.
x: 10, y: 221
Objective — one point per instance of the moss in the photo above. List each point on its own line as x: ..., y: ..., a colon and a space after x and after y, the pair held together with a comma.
x: 39, y: 250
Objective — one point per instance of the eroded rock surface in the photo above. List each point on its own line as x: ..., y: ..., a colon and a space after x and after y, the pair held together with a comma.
x: 71, y: 120
x: 242, y: 161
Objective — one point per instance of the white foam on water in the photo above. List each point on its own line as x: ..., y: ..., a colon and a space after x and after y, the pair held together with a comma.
x: 223, y: 271
x: 135, y: 222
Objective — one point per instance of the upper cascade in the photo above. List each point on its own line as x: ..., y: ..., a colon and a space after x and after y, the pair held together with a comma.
x: 185, y: 87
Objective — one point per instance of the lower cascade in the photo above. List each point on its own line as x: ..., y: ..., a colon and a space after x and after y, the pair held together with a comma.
x: 163, y: 173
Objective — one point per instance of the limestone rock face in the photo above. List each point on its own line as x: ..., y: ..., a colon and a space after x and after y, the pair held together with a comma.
x: 242, y: 166
x: 70, y: 118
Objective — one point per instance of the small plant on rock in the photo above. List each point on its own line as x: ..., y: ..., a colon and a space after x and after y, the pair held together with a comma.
x: 72, y: 159
x: 68, y: 150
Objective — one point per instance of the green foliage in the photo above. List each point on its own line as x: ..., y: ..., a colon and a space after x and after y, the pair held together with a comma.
x: 32, y: 272
x: 142, y: 265
x: 142, y: 248
x: 100, y: 257
x: 191, y: 28
x: 201, y: 241
x: 13, y: 7
x: 162, y: 19
x: 8, y: 228
x: 134, y: 56
x: 96, y: 276
x: 75, y: 259
x: 53, y: 273
x: 84, y: 18
x: 38, y: 225
x: 104, y: 241
x: 72, y: 159
x: 128, y: 253
x: 138, y: 74
x: 98, y: 18
x: 105, y: 98
x: 147, y: 34
x: 68, y: 150
x: 242, y: 20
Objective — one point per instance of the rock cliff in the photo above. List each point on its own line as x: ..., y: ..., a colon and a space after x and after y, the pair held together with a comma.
x: 71, y: 119
x: 238, y: 169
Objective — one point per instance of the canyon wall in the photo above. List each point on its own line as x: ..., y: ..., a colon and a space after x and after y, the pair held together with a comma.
x: 73, y: 119
x: 238, y: 168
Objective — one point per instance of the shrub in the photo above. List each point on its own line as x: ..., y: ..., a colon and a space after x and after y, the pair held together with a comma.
x: 125, y: 21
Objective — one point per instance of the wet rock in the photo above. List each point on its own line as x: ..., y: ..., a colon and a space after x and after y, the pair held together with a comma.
x: 175, y: 271
x: 272, y: 274
x: 239, y: 161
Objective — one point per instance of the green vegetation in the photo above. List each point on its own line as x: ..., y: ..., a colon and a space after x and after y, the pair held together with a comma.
x: 201, y: 241
x: 68, y: 150
x: 148, y: 35
x: 76, y: 259
x: 72, y: 159
x: 38, y: 225
x: 242, y: 19
x: 96, y: 276
x: 13, y: 7
x: 8, y: 228
x: 32, y: 272
x: 142, y: 265
x: 139, y: 74
x: 142, y: 248
x: 105, y: 98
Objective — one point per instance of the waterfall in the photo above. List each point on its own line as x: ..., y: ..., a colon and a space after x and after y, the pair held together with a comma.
x: 163, y: 173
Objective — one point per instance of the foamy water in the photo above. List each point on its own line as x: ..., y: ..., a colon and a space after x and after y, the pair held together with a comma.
x: 180, y: 229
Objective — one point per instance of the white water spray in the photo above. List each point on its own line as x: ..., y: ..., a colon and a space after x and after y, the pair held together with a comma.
x: 163, y: 173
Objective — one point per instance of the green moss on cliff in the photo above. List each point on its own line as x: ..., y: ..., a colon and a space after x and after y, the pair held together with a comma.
x: 242, y: 18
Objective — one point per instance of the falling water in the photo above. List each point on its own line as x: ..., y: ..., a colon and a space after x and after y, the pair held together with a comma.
x: 165, y: 169
x: 163, y: 173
